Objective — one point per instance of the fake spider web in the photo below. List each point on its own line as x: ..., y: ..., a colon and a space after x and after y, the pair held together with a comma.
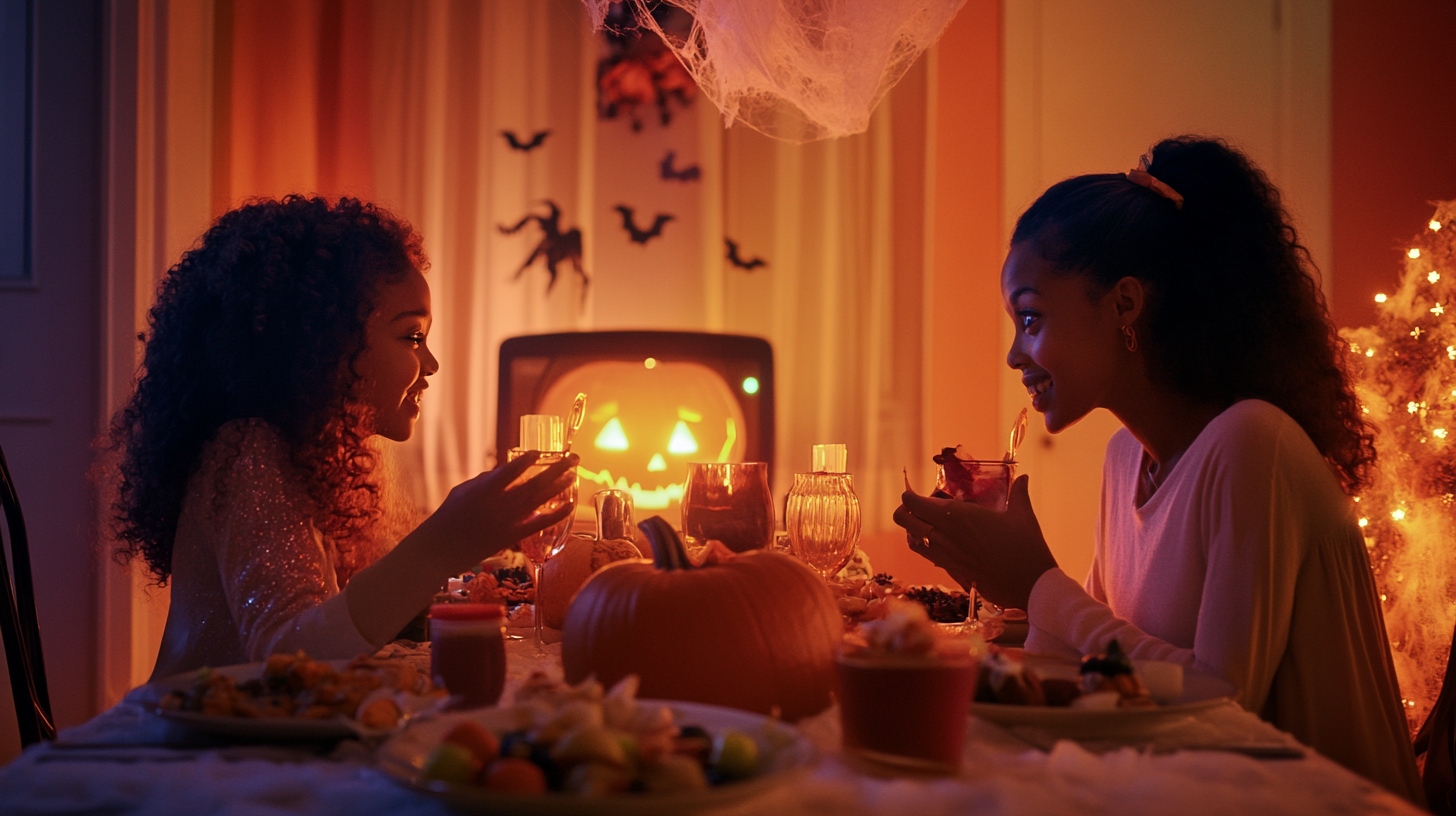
x: 797, y: 70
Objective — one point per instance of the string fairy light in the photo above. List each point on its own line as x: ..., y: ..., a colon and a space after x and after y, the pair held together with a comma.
x: 1407, y: 510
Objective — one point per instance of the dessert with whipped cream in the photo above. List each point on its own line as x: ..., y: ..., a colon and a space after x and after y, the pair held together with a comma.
x: 904, y: 689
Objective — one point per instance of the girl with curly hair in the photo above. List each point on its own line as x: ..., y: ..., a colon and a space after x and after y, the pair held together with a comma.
x: 1177, y: 297
x: 293, y: 333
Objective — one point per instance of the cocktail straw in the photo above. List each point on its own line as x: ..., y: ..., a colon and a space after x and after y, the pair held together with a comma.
x: 1018, y: 433
x: 573, y: 422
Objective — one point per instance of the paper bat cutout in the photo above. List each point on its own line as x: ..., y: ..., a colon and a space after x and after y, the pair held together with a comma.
x: 642, y: 236
x: 525, y: 147
x: 670, y: 174
x: 555, y: 247
x: 739, y: 262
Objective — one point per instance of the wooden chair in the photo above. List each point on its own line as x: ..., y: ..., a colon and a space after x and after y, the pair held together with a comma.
x: 18, y: 625
x: 1437, y: 740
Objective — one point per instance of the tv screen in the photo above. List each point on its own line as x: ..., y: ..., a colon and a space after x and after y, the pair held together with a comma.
x: 656, y: 401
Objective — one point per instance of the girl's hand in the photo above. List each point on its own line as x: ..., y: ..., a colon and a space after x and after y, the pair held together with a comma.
x: 1002, y: 553
x: 486, y: 514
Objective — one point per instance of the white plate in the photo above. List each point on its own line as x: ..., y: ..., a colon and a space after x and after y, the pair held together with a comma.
x: 253, y: 728
x: 1200, y: 691
x: 1085, y: 719
x: 785, y: 755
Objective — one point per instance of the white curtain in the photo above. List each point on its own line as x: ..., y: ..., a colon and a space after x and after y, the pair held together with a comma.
x: 447, y: 79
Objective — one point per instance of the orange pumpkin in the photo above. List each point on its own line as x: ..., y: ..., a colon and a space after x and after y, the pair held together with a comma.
x: 564, y: 574
x: 756, y: 631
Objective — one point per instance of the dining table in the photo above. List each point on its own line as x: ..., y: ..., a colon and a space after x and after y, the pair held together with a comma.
x: 1216, y: 758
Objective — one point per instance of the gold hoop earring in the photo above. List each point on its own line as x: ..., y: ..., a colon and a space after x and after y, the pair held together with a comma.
x: 1129, y: 338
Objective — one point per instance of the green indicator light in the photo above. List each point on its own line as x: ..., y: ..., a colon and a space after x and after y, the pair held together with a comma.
x: 750, y: 385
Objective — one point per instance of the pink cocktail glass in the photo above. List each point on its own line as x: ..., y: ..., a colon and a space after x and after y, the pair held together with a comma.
x: 984, y: 482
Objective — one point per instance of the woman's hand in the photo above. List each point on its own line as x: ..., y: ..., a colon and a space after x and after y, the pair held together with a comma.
x: 1002, y: 553
x: 488, y: 513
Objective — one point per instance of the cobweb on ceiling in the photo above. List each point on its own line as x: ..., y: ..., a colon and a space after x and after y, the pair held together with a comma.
x: 796, y: 70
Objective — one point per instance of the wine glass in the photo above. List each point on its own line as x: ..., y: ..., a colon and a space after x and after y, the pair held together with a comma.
x: 540, y: 547
x: 985, y: 482
x: 730, y: 502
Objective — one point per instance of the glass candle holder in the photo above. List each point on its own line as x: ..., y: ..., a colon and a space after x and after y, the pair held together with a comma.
x: 822, y: 516
x: 729, y: 502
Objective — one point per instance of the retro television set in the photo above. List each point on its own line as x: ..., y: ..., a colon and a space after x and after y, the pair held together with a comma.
x: 656, y: 401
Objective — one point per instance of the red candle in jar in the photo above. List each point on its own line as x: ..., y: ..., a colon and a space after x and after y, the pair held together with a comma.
x: 468, y: 651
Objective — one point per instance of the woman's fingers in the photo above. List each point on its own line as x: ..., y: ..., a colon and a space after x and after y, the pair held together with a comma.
x: 1020, y: 496
x: 540, y: 521
x: 913, y: 524
x: 500, y: 479
x: 552, y: 479
x: 928, y: 507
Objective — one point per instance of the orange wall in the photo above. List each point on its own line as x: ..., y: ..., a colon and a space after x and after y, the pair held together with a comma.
x: 965, y: 357
x: 1394, y: 112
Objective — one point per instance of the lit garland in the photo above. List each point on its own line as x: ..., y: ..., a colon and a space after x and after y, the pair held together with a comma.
x: 1405, y: 375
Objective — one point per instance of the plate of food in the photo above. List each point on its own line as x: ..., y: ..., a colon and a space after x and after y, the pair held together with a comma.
x: 584, y: 749
x: 295, y: 698
x: 1102, y: 693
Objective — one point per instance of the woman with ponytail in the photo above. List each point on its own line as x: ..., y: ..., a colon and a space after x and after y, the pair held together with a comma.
x: 1178, y: 297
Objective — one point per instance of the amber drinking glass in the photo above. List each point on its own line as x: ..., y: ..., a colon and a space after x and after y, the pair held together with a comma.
x: 730, y: 502
x: 543, y: 433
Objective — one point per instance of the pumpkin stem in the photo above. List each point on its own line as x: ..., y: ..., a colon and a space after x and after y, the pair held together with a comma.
x: 668, y: 552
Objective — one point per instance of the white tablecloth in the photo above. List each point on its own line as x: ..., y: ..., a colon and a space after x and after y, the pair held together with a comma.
x: 126, y: 769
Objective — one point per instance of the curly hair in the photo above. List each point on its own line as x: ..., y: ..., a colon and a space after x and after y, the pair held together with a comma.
x: 263, y: 319
x: 1234, y: 309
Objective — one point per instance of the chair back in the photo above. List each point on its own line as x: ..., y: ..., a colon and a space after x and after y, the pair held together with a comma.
x: 18, y: 625
x: 1437, y: 740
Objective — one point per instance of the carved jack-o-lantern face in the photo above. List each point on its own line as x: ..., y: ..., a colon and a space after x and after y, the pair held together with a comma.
x: 645, y: 422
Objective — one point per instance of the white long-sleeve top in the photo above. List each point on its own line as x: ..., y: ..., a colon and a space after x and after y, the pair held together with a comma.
x: 1246, y: 562
x: 251, y: 575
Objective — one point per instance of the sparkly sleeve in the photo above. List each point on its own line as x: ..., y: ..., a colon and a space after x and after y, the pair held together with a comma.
x: 278, y: 575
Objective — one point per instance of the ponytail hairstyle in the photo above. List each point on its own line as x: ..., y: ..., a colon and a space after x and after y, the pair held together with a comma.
x: 1234, y: 310
x: 263, y: 319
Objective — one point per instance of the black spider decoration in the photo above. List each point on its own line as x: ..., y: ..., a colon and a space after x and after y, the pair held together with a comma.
x: 556, y: 246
